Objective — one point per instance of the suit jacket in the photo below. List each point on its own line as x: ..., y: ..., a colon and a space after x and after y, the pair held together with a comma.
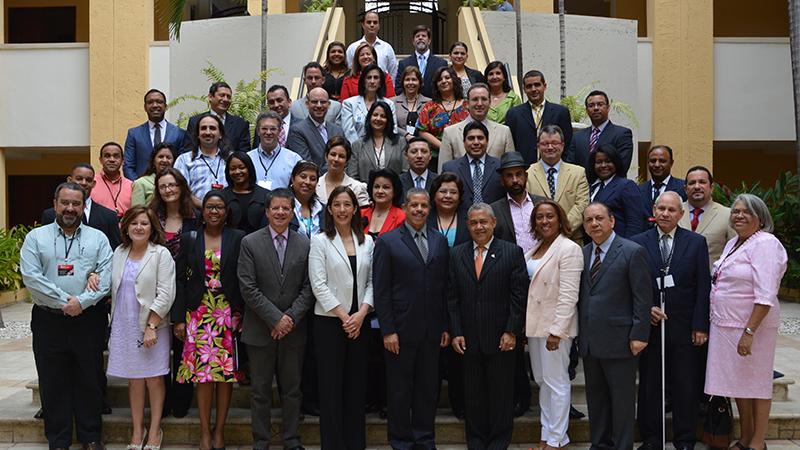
x: 299, y: 111
x: 615, y: 309
x: 362, y: 162
x: 410, y: 294
x: 492, y: 190
x: 622, y: 197
x: 100, y: 218
x: 432, y: 64
x: 331, y: 274
x: 646, y: 191
x: 686, y: 304
x: 523, y: 128
x: 572, y: 192
x: 190, y: 271
x: 237, y: 133
x: 462, y: 231
x: 475, y: 76
x: 354, y: 116
x: 305, y: 140
x: 553, y: 292
x: 483, y: 308
x: 714, y: 225
x: 269, y: 290
x: 155, y: 282
x: 616, y: 135
x: 505, y: 224
x: 500, y: 142
x: 408, y: 182
x: 139, y: 147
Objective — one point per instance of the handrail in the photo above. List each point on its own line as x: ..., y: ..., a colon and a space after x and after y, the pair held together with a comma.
x: 326, y: 34
x: 474, y: 33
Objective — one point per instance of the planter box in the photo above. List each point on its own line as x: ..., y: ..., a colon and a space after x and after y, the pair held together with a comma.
x: 789, y: 294
x: 11, y: 297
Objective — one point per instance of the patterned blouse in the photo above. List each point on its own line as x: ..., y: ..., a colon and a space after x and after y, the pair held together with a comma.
x: 434, y: 118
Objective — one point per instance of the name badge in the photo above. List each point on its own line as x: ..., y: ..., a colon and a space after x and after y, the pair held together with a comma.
x: 217, y: 186
x: 668, y: 281
x: 66, y: 270
x: 411, y: 129
x: 266, y: 184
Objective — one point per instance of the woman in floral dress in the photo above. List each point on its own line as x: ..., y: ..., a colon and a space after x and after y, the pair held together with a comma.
x: 208, y: 314
x: 447, y: 108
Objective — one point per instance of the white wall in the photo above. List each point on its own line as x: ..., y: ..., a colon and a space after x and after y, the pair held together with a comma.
x: 644, y: 69
x: 159, y: 67
x: 46, y: 97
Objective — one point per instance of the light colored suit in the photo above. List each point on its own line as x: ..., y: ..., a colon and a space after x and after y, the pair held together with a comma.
x: 572, y: 192
x: 354, y: 116
x: 332, y: 277
x: 500, y: 141
x: 714, y: 225
x: 155, y: 282
x: 363, y: 161
x: 299, y: 111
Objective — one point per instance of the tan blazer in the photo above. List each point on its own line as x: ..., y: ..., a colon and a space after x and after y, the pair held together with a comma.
x: 500, y: 141
x: 155, y: 282
x: 572, y: 192
x: 553, y: 292
x: 331, y: 275
x: 714, y: 225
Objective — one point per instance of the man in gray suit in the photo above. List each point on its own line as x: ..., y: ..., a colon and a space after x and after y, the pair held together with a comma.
x: 614, y: 322
x: 313, y: 77
x: 308, y: 137
x: 273, y: 277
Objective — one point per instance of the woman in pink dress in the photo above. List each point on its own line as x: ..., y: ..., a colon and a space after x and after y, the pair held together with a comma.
x: 745, y: 315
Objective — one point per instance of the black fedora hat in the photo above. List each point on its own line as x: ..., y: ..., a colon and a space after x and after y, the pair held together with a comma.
x: 512, y: 159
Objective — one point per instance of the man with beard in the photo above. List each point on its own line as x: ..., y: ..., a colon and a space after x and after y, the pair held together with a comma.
x: 55, y: 261
x: 423, y: 59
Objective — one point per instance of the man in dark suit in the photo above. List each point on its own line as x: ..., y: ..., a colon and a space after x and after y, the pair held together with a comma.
x: 477, y: 170
x: 418, y: 155
x: 527, y: 119
x: 423, y: 59
x: 659, y: 164
x: 601, y: 132
x: 614, y: 319
x: 141, y: 140
x: 679, y: 258
x: 410, y: 269
x: 308, y: 137
x: 237, y: 130
x: 273, y: 278
x: 487, y: 296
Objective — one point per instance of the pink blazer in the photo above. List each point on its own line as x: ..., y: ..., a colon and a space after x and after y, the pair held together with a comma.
x: 553, y: 292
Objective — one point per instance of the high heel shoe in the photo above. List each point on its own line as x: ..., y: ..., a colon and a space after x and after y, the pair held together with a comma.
x: 138, y: 447
x: 160, y: 439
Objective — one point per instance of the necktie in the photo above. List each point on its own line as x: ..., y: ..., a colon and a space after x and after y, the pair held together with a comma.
x: 419, y: 183
x: 479, y: 261
x: 551, y: 181
x: 595, y: 264
x: 477, y: 181
x: 593, y: 139
x: 323, y: 132
x: 282, y: 137
x: 596, y: 188
x: 656, y: 190
x: 157, y: 134
x: 665, y: 256
x: 422, y: 245
x: 280, y: 247
x: 537, y: 118
x: 696, y: 217
x: 423, y: 64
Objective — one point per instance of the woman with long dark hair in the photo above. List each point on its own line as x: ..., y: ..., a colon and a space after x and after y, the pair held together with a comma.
x: 372, y: 88
x: 502, y: 96
x: 365, y: 55
x: 144, y: 187
x: 334, y: 69
x: 408, y: 103
x: 246, y: 199
x: 380, y: 148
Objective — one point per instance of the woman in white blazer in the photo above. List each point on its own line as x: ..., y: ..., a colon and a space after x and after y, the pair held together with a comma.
x: 142, y: 292
x: 340, y: 270
x: 554, y: 266
x: 371, y: 88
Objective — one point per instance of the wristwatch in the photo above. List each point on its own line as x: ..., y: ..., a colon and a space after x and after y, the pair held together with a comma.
x: 749, y: 331
x: 152, y: 326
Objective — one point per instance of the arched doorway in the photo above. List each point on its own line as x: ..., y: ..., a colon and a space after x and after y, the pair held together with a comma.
x: 398, y: 19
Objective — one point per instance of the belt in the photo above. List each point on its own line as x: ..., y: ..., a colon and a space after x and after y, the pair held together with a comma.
x: 55, y: 311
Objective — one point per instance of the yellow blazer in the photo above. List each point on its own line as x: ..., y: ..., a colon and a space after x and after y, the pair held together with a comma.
x: 572, y: 192
x: 155, y: 282
x: 553, y: 292
x: 500, y: 141
x: 714, y: 225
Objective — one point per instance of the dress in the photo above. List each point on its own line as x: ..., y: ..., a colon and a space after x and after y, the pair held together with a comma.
x: 498, y: 113
x: 209, y: 353
x: 433, y: 118
x: 127, y: 356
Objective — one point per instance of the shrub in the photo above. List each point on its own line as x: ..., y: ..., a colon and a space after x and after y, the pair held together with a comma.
x: 10, y: 243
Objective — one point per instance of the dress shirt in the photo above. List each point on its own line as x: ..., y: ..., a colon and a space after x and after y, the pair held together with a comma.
x: 663, y: 185
x: 521, y: 216
x: 703, y: 208
x: 414, y: 177
x: 323, y: 132
x: 87, y: 210
x: 221, y: 117
x: 595, y: 187
x: 358, y: 188
x: 482, y: 160
x: 387, y: 60
x: 275, y: 234
x: 670, y: 241
x: 547, y: 167
x: 273, y: 170
x: 114, y: 195
x: 424, y: 57
x: 604, y: 247
x: 45, y: 248
x: 308, y: 226
x: 485, y: 250
x: 287, y: 122
x: 541, y: 113
x: 601, y: 127
x: 152, y: 126
x: 201, y: 172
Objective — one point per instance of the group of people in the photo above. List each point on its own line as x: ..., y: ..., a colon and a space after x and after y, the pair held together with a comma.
x: 329, y: 254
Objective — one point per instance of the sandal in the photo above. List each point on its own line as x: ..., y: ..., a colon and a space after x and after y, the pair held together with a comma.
x: 138, y: 447
x: 160, y: 439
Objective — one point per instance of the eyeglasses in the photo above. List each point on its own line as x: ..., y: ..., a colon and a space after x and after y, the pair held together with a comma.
x: 214, y: 208
x: 167, y: 187
x: 269, y: 129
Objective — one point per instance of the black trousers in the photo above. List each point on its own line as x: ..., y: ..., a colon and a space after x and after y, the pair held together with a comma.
x: 68, y: 354
x: 376, y: 367
x: 489, y: 399
x: 414, y: 381
x: 522, y: 380
x: 681, y: 365
x: 309, y: 384
x: 342, y: 373
x: 611, y: 400
x: 452, y: 369
x: 179, y: 395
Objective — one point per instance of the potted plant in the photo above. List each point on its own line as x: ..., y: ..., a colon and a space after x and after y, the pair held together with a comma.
x: 11, y: 288
x: 577, y: 109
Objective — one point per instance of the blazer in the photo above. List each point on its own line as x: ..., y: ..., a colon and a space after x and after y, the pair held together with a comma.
x: 687, y: 303
x: 714, y: 225
x: 622, y: 198
x: 139, y: 147
x: 100, y: 218
x: 492, y: 190
x: 553, y: 291
x: 155, y: 282
x: 402, y: 111
x: 394, y: 219
x: 237, y: 133
x: 616, y: 135
x: 505, y: 223
x: 572, y: 192
x: 331, y: 274
x: 299, y: 111
x: 354, y: 115
x: 190, y: 271
x: 410, y: 293
x: 524, y: 132
x: 483, y: 308
x: 269, y: 290
x: 614, y: 309
x: 474, y: 76
x: 294, y: 225
x: 305, y: 140
x: 462, y: 231
x: 408, y: 182
x: 363, y: 160
x: 432, y: 65
x: 646, y: 191
x: 500, y: 142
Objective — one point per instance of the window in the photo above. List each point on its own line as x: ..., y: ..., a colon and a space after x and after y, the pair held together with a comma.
x: 29, y: 25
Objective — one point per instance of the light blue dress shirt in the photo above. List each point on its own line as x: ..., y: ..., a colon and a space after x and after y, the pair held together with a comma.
x: 274, y: 170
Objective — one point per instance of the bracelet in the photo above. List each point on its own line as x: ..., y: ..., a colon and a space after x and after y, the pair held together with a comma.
x: 749, y: 331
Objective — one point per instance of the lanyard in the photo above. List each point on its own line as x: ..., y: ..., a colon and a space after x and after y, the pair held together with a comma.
x: 68, y: 249
x: 665, y: 264
x: 274, y: 158
x: 113, y: 197
x: 378, y: 151
x: 715, y: 277
x: 215, y: 173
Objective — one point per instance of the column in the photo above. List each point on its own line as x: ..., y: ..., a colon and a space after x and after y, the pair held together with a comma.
x: 536, y: 6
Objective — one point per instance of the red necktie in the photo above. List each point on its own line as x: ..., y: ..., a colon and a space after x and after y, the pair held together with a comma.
x: 696, y: 217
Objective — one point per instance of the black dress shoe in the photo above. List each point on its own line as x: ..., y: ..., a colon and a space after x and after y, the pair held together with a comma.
x: 684, y: 447
x: 459, y: 413
x: 94, y: 446
x: 575, y: 414
x: 299, y: 447
x: 520, y: 410
x: 39, y: 414
x: 648, y: 446
x: 106, y: 409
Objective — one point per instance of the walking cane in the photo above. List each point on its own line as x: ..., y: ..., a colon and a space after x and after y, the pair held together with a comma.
x: 663, y: 361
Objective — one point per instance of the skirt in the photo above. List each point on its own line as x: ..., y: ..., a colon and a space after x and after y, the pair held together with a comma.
x: 732, y: 375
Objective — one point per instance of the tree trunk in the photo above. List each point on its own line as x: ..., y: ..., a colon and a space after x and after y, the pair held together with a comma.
x: 562, y: 38
x: 263, y: 54
x: 794, y: 42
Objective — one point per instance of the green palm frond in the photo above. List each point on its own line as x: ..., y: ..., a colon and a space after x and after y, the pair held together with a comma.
x: 170, y: 13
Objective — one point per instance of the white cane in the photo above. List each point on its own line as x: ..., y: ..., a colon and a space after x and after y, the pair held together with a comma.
x: 663, y: 371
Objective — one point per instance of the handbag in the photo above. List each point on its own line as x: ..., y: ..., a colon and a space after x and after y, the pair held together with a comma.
x: 718, y: 424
